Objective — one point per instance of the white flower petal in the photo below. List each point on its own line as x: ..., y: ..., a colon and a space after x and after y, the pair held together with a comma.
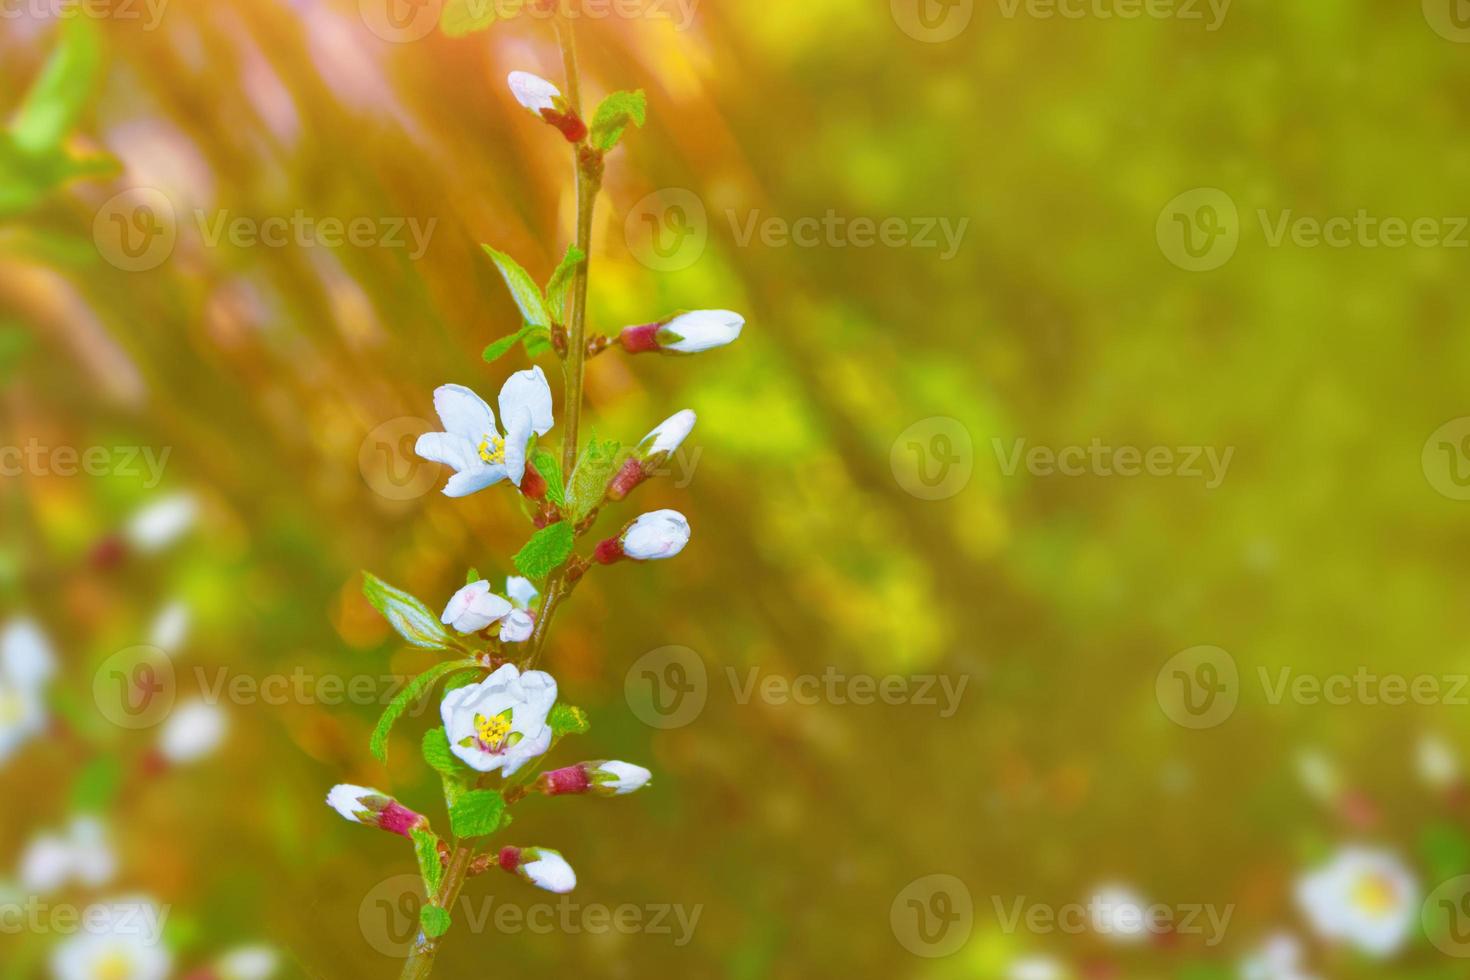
x: 517, y: 435
x: 193, y: 731
x: 701, y: 330
x: 26, y: 659
x: 655, y: 535
x: 449, y: 449
x: 624, y: 777
x: 346, y: 799
x: 528, y: 697
x: 521, y: 591
x: 162, y: 522
x: 474, y: 608
x: 464, y: 413
x: 517, y: 627
x: 528, y: 391
x: 549, y: 870
x: 473, y: 480
x: 533, y: 91
x: 669, y: 434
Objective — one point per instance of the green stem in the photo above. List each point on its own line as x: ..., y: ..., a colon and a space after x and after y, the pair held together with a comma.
x: 425, y: 948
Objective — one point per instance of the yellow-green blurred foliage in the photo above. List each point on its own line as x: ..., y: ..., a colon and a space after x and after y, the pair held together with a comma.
x: 265, y: 372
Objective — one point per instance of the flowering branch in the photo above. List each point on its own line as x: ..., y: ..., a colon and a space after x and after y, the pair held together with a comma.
x: 500, y: 716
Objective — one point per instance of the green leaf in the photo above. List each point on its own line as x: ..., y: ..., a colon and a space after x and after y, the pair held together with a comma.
x: 549, y: 467
x: 613, y: 116
x: 60, y: 94
x: 472, y: 576
x: 461, y: 17
x: 566, y: 719
x: 414, y: 690
x: 501, y: 347
x: 588, y: 485
x: 436, y: 921
x: 523, y: 289
x: 440, y: 757
x: 411, y: 618
x: 477, y: 814
x: 426, y: 849
x: 538, y: 342
x: 561, y: 281
x: 97, y: 784
x: 546, y: 551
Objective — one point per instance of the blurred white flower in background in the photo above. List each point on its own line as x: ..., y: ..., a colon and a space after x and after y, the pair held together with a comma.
x: 1436, y: 762
x: 82, y: 854
x: 193, y: 731
x: 1278, y: 959
x: 159, y: 524
x: 170, y: 627
x: 123, y: 941
x: 1362, y: 897
x: 1036, y: 968
x: 26, y: 665
x: 248, y: 963
x: 1119, y: 914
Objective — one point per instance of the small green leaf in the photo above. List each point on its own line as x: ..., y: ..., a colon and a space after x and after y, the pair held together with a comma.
x: 438, y: 755
x: 613, y: 116
x: 426, y: 849
x: 477, y: 814
x: 588, y: 485
x: 461, y: 17
x: 561, y: 281
x: 537, y: 342
x: 472, y: 576
x: 523, y: 289
x: 549, y: 467
x: 566, y: 719
x: 436, y: 921
x: 414, y: 690
x: 411, y: 618
x: 546, y: 551
x: 498, y: 349
x: 52, y: 106
x: 97, y: 784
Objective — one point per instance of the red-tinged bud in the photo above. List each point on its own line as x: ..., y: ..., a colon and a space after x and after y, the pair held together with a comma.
x: 608, y: 552
x: 569, y: 123
x: 375, y: 809
x: 622, y: 484
x: 533, y: 484
x: 510, y: 858
x: 558, y: 782
x: 640, y: 340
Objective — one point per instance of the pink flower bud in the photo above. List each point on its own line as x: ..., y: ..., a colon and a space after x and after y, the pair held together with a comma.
x: 653, y: 450
x: 374, y: 808
x: 686, y: 333
x: 545, y: 100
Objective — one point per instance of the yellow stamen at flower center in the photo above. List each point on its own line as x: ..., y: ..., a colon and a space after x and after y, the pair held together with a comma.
x: 116, y: 966
x: 1375, y: 895
x: 492, y: 731
x: 492, y: 449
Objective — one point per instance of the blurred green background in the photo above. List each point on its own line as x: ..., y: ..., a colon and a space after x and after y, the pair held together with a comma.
x: 848, y: 482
